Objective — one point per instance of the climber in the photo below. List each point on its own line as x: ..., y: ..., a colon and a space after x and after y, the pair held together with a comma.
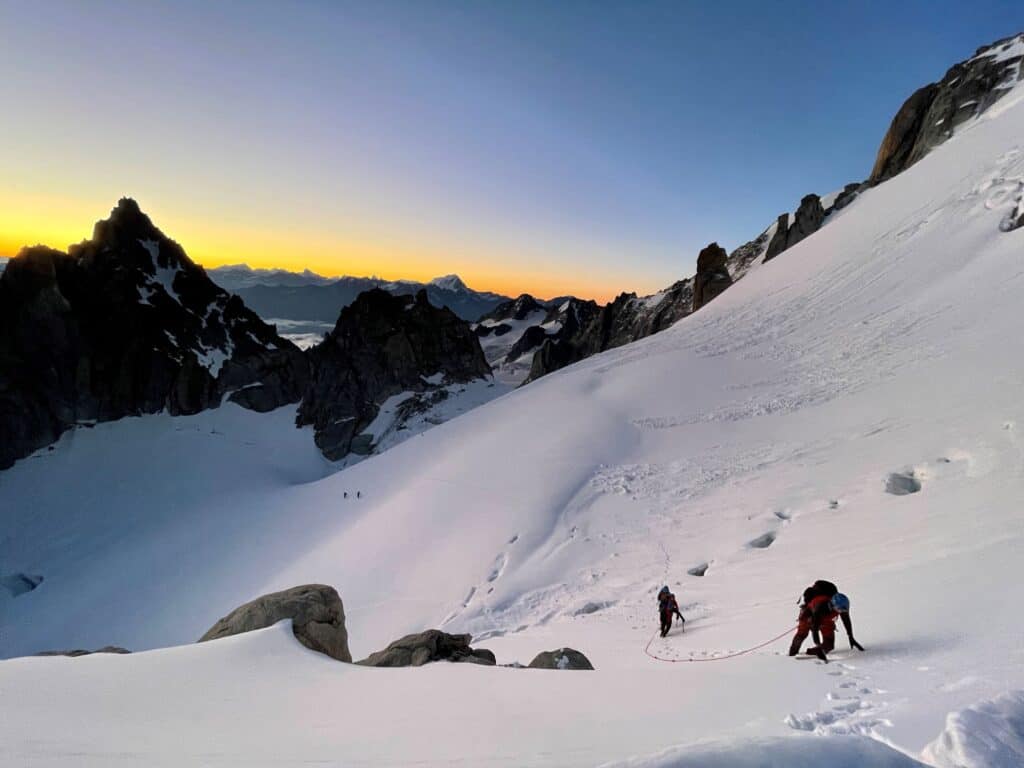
x: 822, y: 604
x: 667, y: 608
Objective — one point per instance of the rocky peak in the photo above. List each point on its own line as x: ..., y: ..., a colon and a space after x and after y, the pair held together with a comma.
x: 518, y: 308
x: 930, y: 115
x: 382, y: 345
x: 125, y: 324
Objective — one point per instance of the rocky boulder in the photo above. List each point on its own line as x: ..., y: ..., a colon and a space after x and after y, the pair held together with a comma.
x: 563, y: 658
x: 382, y: 345
x: 425, y: 647
x: 930, y: 115
x: 126, y: 324
x: 712, y: 276
x: 316, y: 611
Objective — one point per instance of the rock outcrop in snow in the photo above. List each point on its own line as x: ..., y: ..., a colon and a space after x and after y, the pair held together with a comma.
x: 316, y: 612
x: 561, y: 658
x: 126, y: 324
x: 932, y: 113
x: 425, y: 647
x: 712, y: 275
x: 382, y: 345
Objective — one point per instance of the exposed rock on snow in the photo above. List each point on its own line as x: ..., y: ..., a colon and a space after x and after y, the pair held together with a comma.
x: 316, y: 611
x: 562, y: 658
x: 808, y: 220
x: 902, y: 483
x: 424, y: 647
x: 778, y: 242
x: 82, y: 652
x: 381, y: 346
x: 712, y: 275
x: 930, y: 115
x: 126, y: 324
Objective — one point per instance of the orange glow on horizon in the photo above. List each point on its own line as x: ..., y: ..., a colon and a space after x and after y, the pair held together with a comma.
x: 214, y: 244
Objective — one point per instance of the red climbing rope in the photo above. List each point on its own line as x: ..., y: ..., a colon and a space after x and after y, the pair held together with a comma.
x: 732, y: 655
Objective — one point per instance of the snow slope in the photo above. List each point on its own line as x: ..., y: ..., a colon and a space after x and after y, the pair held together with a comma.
x: 756, y: 437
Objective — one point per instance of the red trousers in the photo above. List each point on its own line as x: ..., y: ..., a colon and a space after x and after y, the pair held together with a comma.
x: 827, y: 629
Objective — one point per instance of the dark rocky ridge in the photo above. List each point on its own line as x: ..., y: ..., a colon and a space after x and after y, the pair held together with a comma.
x: 588, y: 329
x: 929, y: 117
x: 382, y: 345
x: 126, y: 324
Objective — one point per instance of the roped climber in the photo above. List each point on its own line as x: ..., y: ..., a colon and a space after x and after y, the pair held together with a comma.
x: 822, y: 604
x: 667, y: 609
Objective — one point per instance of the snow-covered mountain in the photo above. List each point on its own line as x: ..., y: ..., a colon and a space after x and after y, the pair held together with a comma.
x: 3, y: 263
x: 848, y: 410
x: 235, y: 277
x: 304, y: 299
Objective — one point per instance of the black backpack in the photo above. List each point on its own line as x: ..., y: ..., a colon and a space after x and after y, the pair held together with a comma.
x: 818, y: 589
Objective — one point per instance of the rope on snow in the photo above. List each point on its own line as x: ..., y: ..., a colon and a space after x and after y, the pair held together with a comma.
x: 733, y: 655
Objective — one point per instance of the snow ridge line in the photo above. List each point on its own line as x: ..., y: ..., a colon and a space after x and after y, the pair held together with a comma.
x: 733, y: 655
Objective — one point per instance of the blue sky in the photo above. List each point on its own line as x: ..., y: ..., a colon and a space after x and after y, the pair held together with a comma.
x: 585, y: 147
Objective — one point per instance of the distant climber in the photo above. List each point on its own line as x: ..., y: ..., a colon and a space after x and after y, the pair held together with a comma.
x: 822, y: 604
x: 667, y: 608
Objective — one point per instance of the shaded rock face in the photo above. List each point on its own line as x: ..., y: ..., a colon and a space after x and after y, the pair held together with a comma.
x: 930, y: 115
x: 424, y: 647
x: 563, y: 658
x: 382, y: 345
x: 778, y: 242
x: 316, y: 611
x: 712, y: 275
x: 126, y: 324
x: 808, y: 220
x: 116, y: 649
x: 532, y: 337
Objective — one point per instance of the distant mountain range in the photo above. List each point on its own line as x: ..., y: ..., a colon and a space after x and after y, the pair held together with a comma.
x: 307, y: 296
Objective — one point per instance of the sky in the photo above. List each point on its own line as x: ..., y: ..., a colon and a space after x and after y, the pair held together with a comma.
x: 582, y: 148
